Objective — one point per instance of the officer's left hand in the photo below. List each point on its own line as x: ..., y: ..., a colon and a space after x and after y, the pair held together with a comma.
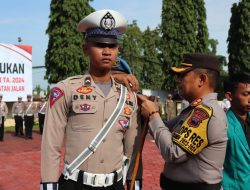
x: 129, y: 80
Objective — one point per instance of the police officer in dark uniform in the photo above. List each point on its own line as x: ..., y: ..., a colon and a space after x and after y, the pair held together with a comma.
x: 194, y: 143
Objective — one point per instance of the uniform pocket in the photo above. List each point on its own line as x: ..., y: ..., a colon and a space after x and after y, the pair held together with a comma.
x: 82, y: 116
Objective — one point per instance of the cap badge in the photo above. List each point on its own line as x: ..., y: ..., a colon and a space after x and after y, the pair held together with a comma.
x: 107, y: 22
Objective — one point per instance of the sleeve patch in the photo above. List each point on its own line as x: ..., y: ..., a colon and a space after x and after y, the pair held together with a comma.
x: 55, y: 94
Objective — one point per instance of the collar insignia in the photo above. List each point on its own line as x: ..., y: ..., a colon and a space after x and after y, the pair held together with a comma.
x: 87, y: 81
x: 55, y: 94
x: 84, y: 90
x: 107, y: 22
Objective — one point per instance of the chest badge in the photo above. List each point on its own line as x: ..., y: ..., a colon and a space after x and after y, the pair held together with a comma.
x: 85, y: 107
x: 84, y: 90
x: 127, y: 111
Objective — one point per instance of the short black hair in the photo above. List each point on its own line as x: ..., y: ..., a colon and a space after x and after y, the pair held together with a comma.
x: 231, y: 83
x: 213, y: 76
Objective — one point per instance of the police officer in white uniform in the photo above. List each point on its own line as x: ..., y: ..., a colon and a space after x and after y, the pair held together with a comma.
x: 81, y: 108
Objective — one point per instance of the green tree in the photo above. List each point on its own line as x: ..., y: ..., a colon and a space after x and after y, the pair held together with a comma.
x: 152, y: 77
x: 183, y: 30
x: 64, y: 55
x: 202, y: 31
x: 239, y: 38
x: 37, y: 89
x: 131, y: 48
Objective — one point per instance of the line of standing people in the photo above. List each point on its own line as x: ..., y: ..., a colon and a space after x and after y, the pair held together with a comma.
x: 25, y: 112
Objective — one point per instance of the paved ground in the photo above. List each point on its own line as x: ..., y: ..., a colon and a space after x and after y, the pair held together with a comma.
x: 20, y: 163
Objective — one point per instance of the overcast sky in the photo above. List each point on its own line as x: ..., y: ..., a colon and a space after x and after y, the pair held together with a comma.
x: 29, y: 19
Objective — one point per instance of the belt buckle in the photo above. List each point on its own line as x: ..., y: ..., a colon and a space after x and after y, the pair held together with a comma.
x: 100, y: 180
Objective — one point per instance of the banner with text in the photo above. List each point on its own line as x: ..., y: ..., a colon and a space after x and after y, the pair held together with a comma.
x: 15, y: 71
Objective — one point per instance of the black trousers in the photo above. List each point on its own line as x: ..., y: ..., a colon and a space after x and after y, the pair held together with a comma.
x: 18, y: 125
x: 167, y: 184
x: 29, y: 122
x: 72, y: 185
x: 41, y: 121
x: 2, y: 129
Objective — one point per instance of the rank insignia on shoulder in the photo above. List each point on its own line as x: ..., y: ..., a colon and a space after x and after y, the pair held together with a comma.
x: 127, y: 111
x: 196, y: 102
x: 55, y: 94
x: 84, y: 90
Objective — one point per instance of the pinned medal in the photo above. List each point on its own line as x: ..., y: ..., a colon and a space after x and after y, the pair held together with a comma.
x: 107, y: 22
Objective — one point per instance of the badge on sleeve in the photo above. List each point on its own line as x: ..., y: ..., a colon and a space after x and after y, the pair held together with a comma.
x: 124, y: 123
x: 55, y: 94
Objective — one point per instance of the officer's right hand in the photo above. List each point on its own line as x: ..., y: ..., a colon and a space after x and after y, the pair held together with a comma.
x: 148, y: 108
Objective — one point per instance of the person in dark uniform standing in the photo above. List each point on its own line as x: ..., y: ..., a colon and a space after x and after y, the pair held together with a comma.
x: 194, y: 143
x: 97, y: 115
x: 41, y: 107
x: 17, y: 113
x: 3, y: 115
x: 30, y: 108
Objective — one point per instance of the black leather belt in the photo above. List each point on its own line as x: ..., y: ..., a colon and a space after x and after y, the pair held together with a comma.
x: 174, y: 185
